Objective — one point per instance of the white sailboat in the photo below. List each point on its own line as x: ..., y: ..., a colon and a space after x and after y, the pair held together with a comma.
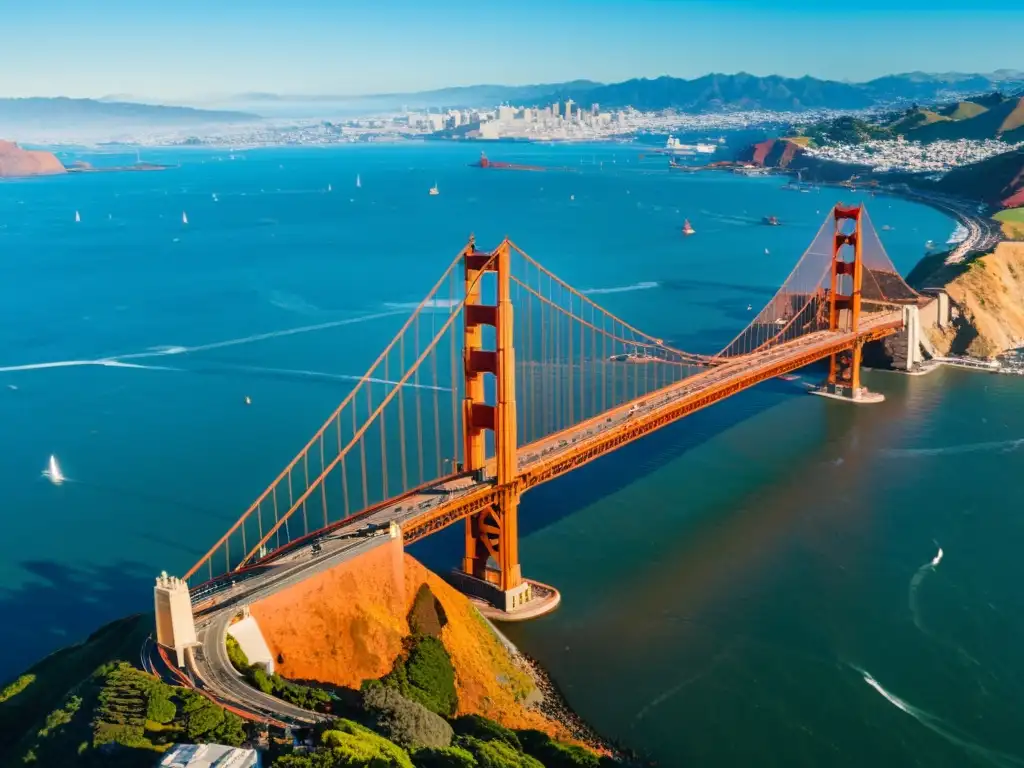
x: 78, y: 217
x: 52, y: 471
x: 184, y: 218
x: 329, y: 188
x: 359, y: 182
x: 434, y: 190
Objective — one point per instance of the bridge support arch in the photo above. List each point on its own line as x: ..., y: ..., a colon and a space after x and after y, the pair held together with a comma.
x: 844, y: 303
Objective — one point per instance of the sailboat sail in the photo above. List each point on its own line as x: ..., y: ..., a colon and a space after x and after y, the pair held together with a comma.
x: 184, y: 218
x: 77, y: 217
x: 52, y: 471
x: 359, y: 182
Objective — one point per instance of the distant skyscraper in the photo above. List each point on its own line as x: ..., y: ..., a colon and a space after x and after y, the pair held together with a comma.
x: 556, y: 109
x: 595, y: 108
x: 568, y: 109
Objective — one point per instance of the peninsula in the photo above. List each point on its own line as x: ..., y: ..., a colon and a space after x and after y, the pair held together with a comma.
x: 18, y: 162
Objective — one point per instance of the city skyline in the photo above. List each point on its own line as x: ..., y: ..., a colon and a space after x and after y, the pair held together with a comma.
x: 189, y: 51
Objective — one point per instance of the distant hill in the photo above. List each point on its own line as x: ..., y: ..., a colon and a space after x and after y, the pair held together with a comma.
x: 999, y: 180
x: 444, y: 98
x: 60, y: 112
x: 985, y: 116
x: 718, y: 91
x: 709, y: 93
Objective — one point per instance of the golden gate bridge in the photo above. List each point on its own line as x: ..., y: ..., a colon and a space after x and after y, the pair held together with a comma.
x: 505, y: 377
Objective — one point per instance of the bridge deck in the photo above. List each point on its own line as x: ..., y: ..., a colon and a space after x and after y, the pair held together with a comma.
x: 437, y: 505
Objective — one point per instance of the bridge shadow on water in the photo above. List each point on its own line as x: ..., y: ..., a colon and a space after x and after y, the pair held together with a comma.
x: 60, y: 605
x: 549, y: 503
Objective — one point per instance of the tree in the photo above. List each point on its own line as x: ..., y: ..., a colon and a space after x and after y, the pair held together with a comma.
x: 406, y: 722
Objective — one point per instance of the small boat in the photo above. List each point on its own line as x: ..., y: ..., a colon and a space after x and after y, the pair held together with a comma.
x: 886, y: 228
x: 78, y: 218
x: 359, y: 182
x: 750, y: 307
x: 215, y: 197
x: 771, y: 221
x: 248, y: 400
x: 52, y: 471
x: 930, y: 245
x: 766, y: 252
x: 184, y: 218
x: 572, y: 197
x: 434, y: 190
x: 329, y: 188
x: 788, y: 377
x: 688, y: 228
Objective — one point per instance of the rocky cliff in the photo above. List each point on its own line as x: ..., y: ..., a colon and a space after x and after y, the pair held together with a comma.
x: 348, y: 624
x: 989, y: 301
x: 15, y: 161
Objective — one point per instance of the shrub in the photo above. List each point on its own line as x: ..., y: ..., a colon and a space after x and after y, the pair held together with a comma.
x: 484, y: 729
x: 13, y: 689
x: 427, y: 676
x: 427, y: 616
x: 351, y: 744
x: 237, y: 656
x: 449, y: 757
x: 161, y: 709
x: 406, y: 722
x: 497, y: 754
x: 555, y: 754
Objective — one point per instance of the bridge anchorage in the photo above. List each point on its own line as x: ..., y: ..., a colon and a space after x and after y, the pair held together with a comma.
x: 505, y: 377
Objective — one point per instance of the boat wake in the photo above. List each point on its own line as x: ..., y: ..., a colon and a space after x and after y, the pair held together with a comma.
x: 915, y: 584
x: 434, y: 305
x: 118, y: 361
x: 644, y: 286
x: 107, y: 363
x: 289, y: 302
x: 1005, y: 446
x: 332, y: 376
x: 938, y: 726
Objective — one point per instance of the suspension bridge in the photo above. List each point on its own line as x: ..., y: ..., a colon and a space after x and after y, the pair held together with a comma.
x: 505, y: 377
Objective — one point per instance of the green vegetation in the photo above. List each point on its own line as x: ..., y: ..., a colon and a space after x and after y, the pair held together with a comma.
x: 488, y: 745
x: 13, y: 689
x: 121, y: 716
x: 965, y: 110
x: 425, y: 675
x: 26, y: 702
x: 304, y: 696
x: 349, y: 744
x: 1012, y: 220
x: 846, y: 130
x: 405, y: 722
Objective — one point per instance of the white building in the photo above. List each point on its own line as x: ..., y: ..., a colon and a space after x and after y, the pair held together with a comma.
x: 209, y: 756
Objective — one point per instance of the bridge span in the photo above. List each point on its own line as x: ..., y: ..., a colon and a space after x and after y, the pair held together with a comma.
x: 511, y: 380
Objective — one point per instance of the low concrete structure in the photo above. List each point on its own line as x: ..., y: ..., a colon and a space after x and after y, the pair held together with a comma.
x: 251, y: 641
x: 175, y: 626
x: 209, y: 756
x: 527, y: 601
x: 858, y: 396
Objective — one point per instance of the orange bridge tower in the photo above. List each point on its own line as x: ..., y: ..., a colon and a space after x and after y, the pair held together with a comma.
x: 844, y: 306
x: 490, y: 567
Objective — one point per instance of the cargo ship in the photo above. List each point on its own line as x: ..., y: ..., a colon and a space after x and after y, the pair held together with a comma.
x: 483, y: 162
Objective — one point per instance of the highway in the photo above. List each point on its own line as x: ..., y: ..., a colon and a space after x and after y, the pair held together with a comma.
x: 453, y: 498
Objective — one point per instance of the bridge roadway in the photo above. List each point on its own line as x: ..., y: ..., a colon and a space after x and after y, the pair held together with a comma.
x: 431, y: 508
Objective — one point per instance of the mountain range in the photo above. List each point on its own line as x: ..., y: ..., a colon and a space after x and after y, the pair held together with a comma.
x: 709, y: 93
x: 20, y: 115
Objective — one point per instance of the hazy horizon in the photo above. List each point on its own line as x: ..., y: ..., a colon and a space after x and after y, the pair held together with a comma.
x: 190, y: 52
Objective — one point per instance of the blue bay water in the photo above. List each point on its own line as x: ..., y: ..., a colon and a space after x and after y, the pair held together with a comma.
x: 729, y: 575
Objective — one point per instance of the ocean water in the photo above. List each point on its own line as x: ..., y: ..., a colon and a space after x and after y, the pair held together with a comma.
x: 757, y: 569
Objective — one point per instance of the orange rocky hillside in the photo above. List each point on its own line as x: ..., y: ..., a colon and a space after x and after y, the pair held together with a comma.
x: 347, y: 624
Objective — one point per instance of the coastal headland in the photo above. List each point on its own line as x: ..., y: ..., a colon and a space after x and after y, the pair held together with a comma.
x: 16, y: 162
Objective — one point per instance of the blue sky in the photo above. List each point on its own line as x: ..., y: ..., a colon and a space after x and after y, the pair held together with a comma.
x: 188, y: 49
